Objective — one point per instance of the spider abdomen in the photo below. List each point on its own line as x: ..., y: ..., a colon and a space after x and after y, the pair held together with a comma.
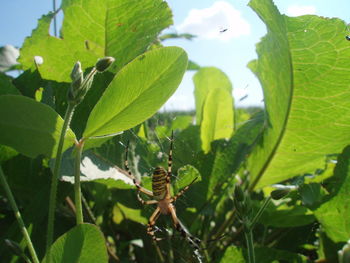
x: 159, y: 183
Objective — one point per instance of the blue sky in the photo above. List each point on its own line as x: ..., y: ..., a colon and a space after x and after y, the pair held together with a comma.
x: 230, y: 50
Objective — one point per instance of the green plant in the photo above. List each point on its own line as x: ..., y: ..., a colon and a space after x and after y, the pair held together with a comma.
x: 299, y: 139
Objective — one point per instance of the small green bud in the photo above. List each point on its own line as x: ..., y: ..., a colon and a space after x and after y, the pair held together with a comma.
x: 279, y: 194
x: 103, y: 63
x: 77, y: 72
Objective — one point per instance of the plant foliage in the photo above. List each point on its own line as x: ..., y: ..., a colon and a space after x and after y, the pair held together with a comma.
x: 299, y: 141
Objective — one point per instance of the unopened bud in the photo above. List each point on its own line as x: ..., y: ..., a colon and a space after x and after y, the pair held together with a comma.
x: 103, y: 63
x: 279, y: 194
x: 77, y: 72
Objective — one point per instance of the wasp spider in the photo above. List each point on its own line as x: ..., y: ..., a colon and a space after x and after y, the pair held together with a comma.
x: 161, y: 196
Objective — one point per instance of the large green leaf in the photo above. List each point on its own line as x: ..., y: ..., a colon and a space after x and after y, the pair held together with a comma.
x: 6, y: 86
x: 92, y: 29
x: 30, y: 127
x: 334, y: 215
x: 217, y: 119
x: 206, y: 79
x: 262, y: 255
x: 137, y: 91
x: 84, y: 243
x: 303, y: 67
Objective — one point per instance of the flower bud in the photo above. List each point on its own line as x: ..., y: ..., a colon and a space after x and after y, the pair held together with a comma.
x: 103, y: 63
x: 279, y: 194
x: 77, y: 72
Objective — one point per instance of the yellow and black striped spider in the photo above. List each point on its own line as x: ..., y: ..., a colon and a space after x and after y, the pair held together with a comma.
x: 161, y: 196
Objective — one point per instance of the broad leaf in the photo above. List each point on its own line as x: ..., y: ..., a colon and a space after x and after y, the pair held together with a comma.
x: 92, y: 29
x: 185, y: 176
x: 30, y: 127
x: 217, y: 118
x: 137, y: 91
x: 286, y: 216
x: 95, y: 168
x: 6, y: 86
x: 206, y: 79
x: 303, y: 67
x: 84, y: 243
x: 122, y: 212
x: 262, y: 255
x: 334, y: 215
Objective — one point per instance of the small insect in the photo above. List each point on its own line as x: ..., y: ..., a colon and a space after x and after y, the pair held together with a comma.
x: 87, y: 46
x: 223, y: 30
x: 347, y: 38
x: 162, y: 198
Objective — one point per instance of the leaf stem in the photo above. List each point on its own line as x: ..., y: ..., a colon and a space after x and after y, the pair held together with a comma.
x: 77, y: 189
x: 18, y: 217
x: 259, y: 213
x: 248, y: 233
x: 55, y: 175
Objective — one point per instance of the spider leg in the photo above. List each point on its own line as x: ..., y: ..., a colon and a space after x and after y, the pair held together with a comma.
x: 151, y: 222
x: 148, y: 202
x: 170, y: 164
x: 194, y: 242
x: 137, y: 184
x: 173, y: 199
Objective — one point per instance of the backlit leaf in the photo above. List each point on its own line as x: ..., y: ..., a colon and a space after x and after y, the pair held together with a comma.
x: 30, y: 127
x: 137, y: 91
x: 303, y: 66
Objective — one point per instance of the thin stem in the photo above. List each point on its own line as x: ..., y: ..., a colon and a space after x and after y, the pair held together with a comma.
x: 259, y: 213
x: 77, y: 189
x: 54, y: 18
x: 159, y: 252
x: 18, y: 217
x: 250, y: 245
x: 88, y: 209
x: 55, y: 175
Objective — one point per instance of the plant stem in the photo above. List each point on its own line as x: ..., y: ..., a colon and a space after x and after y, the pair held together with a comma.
x: 259, y: 213
x: 248, y: 233
x: 54, y: 18
x: 55, y: 175
x: 77, y: 189
x: 18, y: 217
x: 159, y: 252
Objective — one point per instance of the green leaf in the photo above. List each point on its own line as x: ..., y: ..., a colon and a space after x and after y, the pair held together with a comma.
x: 95, y: 168
x: 6, y: 86
x: 263, y: 255
x: 92, y: 29
x: 84, y: 243
x: 185, y: 175
x: 334, y: 214
x: 206, y: 79
x: 122, y: 212
x: 233, y: 255
x: 303, y: 67
x: 6, y: 153
x: 30, y: 127
x: 286, y: 216
x: 217, y: 119
x: 137, y: 91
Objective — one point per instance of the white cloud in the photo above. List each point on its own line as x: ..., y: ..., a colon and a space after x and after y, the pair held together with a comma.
x: 220, y: 21
x: 299, y: 10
